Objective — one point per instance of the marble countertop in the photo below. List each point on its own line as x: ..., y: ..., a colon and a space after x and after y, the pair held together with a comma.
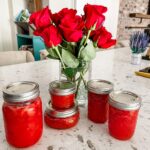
x: 112, y: 65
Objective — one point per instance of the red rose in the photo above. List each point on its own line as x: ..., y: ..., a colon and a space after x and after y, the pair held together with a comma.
x: 41, y: 18
x: 71, y: 28
x: 103, y: 38
x: 50, y: 35
x: 94, y: 14
x: 64, y: 12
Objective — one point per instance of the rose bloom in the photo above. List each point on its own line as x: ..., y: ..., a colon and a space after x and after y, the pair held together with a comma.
x: 64, y: 12
x: 94, y: 15
x: 41, y: 19
x: 103, y: 38
x: 50, y: 35
x: 71, y: 28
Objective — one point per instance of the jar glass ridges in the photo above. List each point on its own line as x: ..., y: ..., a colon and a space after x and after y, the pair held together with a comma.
x: 123, y: 112
x: 22, y: 113
x: 98, y: 95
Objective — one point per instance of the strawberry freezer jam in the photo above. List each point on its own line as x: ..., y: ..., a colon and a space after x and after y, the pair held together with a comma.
x: 22, y: 117
x: 61, y: 119
x: 123, y: 113
x: 98, y: 95
x: 122, y: 123
x: 62, y: 94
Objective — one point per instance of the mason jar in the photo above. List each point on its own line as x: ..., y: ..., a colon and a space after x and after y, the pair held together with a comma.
x: 61, y: 119
x: 22, y: 113
x: 123, y: 113
x: 98, y: 96
x: 62, y: 94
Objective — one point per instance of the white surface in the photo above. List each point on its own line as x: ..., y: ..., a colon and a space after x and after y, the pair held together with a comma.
x: 113, y: 65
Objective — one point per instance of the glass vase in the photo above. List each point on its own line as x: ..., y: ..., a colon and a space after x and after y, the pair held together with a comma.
x: 81, y: 92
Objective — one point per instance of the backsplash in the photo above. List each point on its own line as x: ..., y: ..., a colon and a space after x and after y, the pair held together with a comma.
x: 127, y: 7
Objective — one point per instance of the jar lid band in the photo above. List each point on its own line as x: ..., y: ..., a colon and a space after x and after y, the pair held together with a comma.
x: 22, y: 91
x: 61, y: 113
x: 124, y: 100
x: 100, y: 86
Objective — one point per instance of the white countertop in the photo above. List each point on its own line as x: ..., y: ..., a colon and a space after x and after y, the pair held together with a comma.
x: 112, y: 65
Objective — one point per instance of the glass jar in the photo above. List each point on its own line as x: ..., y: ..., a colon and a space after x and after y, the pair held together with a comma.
x: 98, y: 95
x: 61, y: 119
x: 62, y: 94
x: 22, y: 113
x: 123, y: 112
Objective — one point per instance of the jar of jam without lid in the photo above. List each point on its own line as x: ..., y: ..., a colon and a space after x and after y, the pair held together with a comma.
x: 62, y: 94
x: 22, y: 113
x: 98, y: 96
x: 61, y: 119
x: 123, y: 112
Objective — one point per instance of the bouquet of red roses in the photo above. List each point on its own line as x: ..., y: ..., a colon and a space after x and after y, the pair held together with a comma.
x: 72, y: 38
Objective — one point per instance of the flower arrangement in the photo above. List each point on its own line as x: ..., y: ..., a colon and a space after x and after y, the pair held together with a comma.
x: 71, y: 38
x: 138, y: 42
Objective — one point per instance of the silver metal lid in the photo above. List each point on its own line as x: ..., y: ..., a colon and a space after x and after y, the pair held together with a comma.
x: 21, y: 91
x: 100, y: 86
x: 61, y: 113
x: 124, y: 100
x: 62, y: 87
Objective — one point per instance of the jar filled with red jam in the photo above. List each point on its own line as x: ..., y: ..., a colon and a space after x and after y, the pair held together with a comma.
x: 98, y: 96
x: 62, y: 94
x: 123, y: 112
x: 22, y: 113
x: 61, y: 119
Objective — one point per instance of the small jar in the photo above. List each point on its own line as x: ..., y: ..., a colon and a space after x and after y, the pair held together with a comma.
x: 62, y: 94
x: 61, y: 119
x: 123, y: 112
x: 22, y: 113
x: 98, y: 96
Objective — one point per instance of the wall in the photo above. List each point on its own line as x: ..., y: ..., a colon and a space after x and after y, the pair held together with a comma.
x: 8, y: 11
x: 131, y: 6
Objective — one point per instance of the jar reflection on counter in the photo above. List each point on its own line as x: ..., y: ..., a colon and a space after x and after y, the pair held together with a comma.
x: 62, y: 94
x: 98, y: 95
x: 61, y: 119
x: 22, y: 113
x: 123, y: 113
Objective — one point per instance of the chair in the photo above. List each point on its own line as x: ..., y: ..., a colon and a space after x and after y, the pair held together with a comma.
x: 15, y: 57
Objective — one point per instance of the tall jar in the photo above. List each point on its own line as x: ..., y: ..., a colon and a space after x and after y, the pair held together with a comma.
x: 123, y: 113
x: 22, y: 113
x: 62, y: 94
x: 61, y: 119
x: 98, y: 96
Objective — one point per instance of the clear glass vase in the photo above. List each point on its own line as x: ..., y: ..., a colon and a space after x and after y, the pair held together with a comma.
x: 81, y: 94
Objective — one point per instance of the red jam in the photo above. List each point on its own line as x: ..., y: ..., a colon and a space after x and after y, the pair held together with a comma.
x: 98, y: 95
x: 23, y: 124
x: 97, y: 107
x: 62, y: 94
x: 123, y: 113
x: 61, y: 119
x: 23, y: 121
x: 122, y: 123
x: 61, y: 123
x: 62, y: 101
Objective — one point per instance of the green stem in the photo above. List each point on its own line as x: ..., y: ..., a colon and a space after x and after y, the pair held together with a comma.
x: 87, y: 37
x: 78, y: 85
x: 82, y: 47
x: 57, y: 51
x: 82, y: 76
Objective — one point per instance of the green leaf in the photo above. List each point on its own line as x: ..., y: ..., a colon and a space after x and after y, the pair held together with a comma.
x: 69, y: 59
x: 70, y: 72
x: 52, y: 53
x: 88, y: 53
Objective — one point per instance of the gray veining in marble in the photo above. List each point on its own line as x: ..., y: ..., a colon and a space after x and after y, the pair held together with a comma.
x: 112, y: 65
